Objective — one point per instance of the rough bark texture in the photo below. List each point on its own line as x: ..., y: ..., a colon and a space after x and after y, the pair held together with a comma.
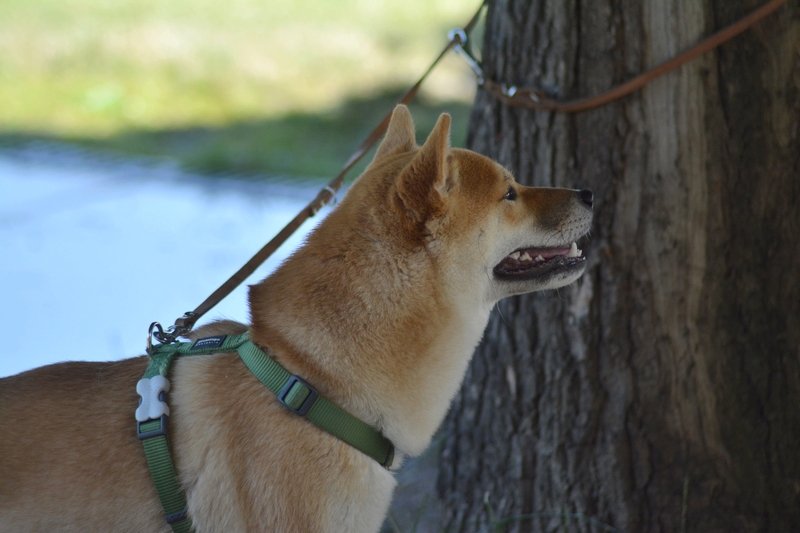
x: 662, y: 391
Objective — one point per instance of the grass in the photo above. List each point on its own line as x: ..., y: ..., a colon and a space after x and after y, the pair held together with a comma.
x: 239, y: 86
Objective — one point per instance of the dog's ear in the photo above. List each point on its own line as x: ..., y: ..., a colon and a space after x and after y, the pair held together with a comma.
x: 423, y: 185
x: 400, y: 136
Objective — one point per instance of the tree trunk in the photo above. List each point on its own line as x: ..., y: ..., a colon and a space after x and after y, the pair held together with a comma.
x: 662, y: 391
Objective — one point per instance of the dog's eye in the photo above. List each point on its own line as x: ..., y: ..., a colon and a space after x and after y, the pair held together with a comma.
x: 511, y: 194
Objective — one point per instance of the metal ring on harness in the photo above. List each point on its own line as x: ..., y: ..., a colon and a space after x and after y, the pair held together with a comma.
x: 156, y: 331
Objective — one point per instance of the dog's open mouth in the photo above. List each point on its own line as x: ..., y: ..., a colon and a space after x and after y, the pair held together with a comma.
x: 529, y: 263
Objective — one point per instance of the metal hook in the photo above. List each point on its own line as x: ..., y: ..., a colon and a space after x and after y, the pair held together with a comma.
x: 459, y: 38
x: 156, y: 331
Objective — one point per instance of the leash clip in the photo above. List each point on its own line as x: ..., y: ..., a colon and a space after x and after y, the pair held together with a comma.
x: 182, y: 326
x: 156, y: 331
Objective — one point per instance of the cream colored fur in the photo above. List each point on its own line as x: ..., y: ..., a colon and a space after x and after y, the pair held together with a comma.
x: 381, y: 310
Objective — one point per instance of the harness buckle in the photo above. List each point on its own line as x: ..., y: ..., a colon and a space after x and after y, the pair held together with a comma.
x: 294, y: 398
x: 159, y: 431
x: 174, y: 518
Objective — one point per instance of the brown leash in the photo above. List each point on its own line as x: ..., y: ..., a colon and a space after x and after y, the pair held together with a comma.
x: 185, y: 323
x: 509, y: 94
x: 539, y: 101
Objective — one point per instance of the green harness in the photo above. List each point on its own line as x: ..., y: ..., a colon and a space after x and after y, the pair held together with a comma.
x: 292, y: 392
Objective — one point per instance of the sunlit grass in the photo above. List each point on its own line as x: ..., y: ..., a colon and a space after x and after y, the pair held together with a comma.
x: 94, y: 70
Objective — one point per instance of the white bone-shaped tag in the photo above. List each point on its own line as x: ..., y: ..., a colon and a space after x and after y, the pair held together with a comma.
x: 151, y: 406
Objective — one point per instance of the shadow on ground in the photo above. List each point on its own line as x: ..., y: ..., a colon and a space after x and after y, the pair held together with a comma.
x: 307, y: 145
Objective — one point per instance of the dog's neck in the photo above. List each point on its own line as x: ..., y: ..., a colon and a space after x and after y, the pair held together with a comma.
x: 373, y: 328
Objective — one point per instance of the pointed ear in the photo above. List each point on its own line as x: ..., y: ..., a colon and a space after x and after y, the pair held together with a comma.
x: 423, y: 184
x: 400, y: 136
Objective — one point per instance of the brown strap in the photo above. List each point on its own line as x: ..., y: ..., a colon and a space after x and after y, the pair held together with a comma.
x: 521, y: 97
x: 537, y: 100
x: 185, y: 323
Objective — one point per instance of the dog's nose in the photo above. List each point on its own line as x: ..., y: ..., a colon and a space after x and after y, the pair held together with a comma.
x: 586, y: 196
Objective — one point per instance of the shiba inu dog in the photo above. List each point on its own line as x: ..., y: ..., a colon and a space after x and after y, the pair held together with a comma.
x: 380, y: 310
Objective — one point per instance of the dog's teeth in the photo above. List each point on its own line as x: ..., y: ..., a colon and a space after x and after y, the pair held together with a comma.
x: 525, y: 257
x: 515, y: 255
x: 580, y: 253
x: 573, y: 251
x: 539, y: 258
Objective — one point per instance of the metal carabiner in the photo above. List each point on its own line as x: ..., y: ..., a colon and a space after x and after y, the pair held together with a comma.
x: 459, y: 38
x: 156, y: 331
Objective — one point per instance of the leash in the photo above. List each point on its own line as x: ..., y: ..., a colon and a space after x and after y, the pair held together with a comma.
x: 185, y: 323
x: 509, y: 94
x: 512, y: 95
x: 538, y: 100
x: 291, y: 391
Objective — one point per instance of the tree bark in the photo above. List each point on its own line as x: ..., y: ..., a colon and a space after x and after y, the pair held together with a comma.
x: 662, y: 391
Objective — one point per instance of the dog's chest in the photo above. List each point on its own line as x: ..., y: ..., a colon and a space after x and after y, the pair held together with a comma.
x: 360, y: 503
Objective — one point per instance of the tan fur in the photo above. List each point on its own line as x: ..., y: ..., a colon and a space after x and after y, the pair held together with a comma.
x: 380, y: 309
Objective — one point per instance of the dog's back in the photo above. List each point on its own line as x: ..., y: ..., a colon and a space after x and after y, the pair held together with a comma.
x: 70, y: 459
x: 72, y: 421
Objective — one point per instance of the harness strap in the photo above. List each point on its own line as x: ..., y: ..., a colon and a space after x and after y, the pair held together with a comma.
x: 292, y: 391
x: 165, y: 479
x: 301, y: 398
x: 152, y: 416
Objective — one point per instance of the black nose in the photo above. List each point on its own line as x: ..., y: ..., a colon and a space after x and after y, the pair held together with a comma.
x: 586, y: 196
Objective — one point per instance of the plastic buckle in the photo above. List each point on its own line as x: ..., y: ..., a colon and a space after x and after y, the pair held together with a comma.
x: 155, y: 432
x: 174, y: 518
x: 288, y: 389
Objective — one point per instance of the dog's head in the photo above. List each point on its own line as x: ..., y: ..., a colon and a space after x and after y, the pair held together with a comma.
x: 478, y: 224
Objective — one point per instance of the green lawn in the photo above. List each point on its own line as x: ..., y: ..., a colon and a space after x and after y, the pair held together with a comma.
x: 285, y: 87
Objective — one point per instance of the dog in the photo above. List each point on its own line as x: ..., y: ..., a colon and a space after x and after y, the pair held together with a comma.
x: 380, y: 309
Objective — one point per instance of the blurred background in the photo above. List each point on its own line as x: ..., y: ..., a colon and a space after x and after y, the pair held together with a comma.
x: 148, y: 148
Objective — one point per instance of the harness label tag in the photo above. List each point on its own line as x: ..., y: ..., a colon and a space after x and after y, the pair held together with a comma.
x: 209, y: 342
